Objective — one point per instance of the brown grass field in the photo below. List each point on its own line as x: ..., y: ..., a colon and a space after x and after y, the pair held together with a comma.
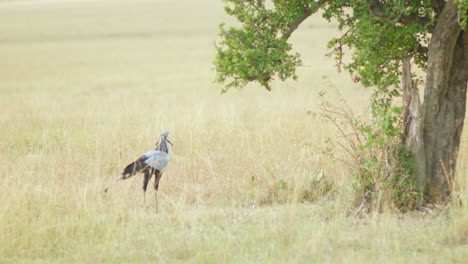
x: 86, y: 87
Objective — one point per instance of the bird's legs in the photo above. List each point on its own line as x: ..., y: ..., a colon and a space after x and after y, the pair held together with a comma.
x: 145, y: 184
x: 157, y: 177
x: 156, y: 199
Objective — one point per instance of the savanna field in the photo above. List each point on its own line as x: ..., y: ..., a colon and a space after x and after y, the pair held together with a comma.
x: 87, y: 86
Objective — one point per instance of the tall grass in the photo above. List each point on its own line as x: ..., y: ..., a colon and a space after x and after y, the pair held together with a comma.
x: 246, y: 177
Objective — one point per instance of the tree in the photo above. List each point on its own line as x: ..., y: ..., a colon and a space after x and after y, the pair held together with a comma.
x: 383, y: 36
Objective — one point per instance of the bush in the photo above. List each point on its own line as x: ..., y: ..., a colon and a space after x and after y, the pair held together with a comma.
x: 382, y: 168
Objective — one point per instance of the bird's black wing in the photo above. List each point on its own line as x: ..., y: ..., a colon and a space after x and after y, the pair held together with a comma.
x: 135, y: 167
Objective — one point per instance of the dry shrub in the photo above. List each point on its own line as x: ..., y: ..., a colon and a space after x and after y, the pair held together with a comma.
x: 382, y: 168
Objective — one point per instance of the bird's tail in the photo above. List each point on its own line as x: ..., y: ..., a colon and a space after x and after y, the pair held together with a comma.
x: 112, y: 183
x: 133, y: 168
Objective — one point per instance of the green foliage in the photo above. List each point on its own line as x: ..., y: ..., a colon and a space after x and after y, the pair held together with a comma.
x: 250, y: 58
x: 380, y: 35
x: 258, y: 50
x: 378, y: 38
x: 406, y: 193
x: 463, y: 12
x: 387, y: 168
x: 385, y: 177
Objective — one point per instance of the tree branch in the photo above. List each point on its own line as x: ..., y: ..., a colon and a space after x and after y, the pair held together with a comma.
x: 377, y: 9
x: 295, y: 24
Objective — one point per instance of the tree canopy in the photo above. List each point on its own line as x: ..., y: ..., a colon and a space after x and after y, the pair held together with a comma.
x: 380, y: 34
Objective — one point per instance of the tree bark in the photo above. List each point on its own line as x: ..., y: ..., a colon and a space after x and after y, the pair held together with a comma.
x: 444, y: 102
x: 413, y: 121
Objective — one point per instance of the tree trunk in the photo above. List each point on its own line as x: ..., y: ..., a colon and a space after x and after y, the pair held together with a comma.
x: 444, y: 102
x: 412, y: 118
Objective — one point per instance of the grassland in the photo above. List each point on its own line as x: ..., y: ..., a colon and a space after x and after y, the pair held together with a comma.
x: 85, y: 88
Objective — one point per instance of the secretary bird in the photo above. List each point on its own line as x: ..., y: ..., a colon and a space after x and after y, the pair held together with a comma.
x: 152, y: 162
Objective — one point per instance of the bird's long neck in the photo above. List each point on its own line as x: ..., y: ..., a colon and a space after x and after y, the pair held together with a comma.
x: 162, y: 146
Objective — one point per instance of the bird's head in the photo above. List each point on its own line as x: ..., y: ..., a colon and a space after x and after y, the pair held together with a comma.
x: 164, y: 136
x: 164, y: 133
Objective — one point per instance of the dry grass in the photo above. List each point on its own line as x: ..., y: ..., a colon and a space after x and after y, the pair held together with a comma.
x: 85, y: 88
